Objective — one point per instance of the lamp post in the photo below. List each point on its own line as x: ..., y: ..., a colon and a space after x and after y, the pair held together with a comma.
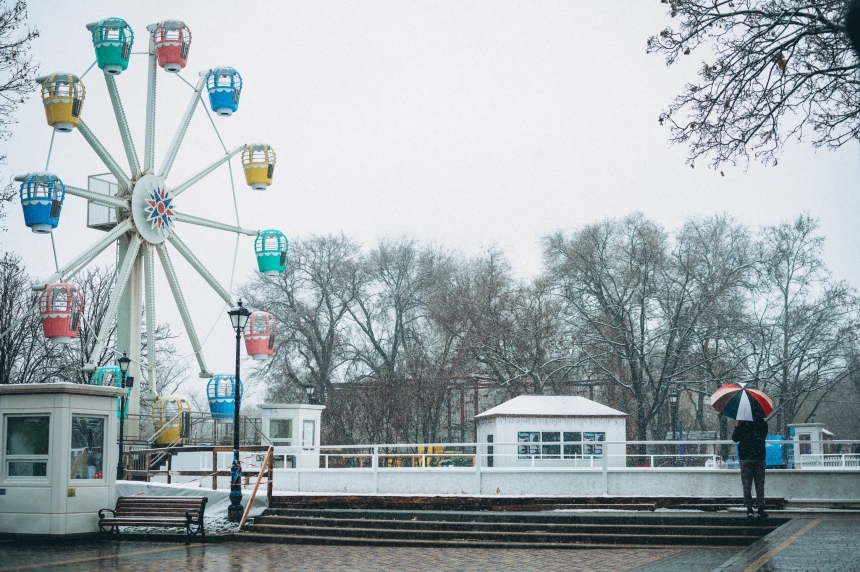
x: 239, y: 319
x: 311, y: 391
x: 123, y: 362
x: 673, y: 403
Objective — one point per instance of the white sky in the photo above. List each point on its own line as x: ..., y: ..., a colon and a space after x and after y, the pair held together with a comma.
x: 465, y: 123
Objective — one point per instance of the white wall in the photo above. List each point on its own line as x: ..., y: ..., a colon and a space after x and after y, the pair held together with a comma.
x: 505, y: 432
x: 788, y: 484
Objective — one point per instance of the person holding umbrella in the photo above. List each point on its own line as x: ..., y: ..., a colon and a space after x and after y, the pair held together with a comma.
x: 750, y: 409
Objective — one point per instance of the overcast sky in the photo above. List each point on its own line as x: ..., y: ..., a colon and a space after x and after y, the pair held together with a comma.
x: 464, y: 123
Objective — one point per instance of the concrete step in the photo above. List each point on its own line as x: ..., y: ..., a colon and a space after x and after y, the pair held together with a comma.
x: 414, y: 543
x: 499, y: 503
x: 754, y: 528
x: 578, y: 517
x: 509, y: 529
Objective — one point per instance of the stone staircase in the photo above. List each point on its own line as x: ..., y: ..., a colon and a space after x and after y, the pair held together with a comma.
x: 503, y: 529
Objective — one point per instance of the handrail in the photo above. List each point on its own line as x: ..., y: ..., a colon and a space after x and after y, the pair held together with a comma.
x: 263, y: 469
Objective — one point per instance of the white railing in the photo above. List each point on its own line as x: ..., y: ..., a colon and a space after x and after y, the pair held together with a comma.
x: 693, y: 455
x: 830, y: 461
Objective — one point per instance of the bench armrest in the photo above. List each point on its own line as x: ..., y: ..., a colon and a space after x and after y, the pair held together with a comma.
x: 110, y: 510
x: 194, y: 515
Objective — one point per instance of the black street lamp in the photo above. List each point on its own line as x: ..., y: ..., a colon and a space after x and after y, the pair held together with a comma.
x: 310, y: 389
x: 239, y: 319
x: 673, y: 402
x: 123, y: 362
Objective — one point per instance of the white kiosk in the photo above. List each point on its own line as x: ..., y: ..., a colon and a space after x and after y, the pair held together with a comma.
x: 552, y: 431
x: 293, y: 425
x: 58, y: 458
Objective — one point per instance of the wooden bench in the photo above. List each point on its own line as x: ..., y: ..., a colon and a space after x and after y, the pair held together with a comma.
x: 156, y: 511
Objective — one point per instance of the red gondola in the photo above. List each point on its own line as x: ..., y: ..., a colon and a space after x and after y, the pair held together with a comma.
x: 61, y: 306
x: 172, y: 40
x: 260, y: 335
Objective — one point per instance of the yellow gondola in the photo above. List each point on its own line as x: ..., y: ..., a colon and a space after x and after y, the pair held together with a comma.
x: 63, y: 97
x: 258, y: 160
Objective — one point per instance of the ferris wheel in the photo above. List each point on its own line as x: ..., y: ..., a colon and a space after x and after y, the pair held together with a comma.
x: 140, y: 209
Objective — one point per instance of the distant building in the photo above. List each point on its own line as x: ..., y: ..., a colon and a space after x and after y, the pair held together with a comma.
x: 547, y: 431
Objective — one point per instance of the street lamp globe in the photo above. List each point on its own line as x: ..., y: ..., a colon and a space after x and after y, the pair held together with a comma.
x: 239, y: 316
x: 124, y: 362
x: 310, y: 390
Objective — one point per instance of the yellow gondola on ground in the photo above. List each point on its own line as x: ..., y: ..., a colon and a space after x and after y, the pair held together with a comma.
x: 168, y: 415
x: 63, y: 98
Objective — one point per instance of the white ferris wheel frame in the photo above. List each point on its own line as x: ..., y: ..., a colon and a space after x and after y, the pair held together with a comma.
x: 135, y: 275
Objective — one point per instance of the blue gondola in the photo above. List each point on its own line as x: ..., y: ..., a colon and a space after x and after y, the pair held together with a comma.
x: 42, y: 196
x: 225, y: 87
x: 220, y: 393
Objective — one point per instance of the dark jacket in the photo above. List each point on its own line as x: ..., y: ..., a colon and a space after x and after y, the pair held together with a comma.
x: 750, y: 437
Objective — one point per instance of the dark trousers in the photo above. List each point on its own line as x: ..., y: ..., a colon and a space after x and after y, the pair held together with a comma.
x: 753, y: 472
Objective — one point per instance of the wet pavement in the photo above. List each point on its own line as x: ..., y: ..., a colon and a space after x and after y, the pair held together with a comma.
x: 810, y: 542
x: 251, y: 557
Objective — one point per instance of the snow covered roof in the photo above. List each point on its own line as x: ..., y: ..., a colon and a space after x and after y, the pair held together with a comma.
x: 550, y: 406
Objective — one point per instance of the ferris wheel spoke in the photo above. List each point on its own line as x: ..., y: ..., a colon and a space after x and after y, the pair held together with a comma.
x: 106, y: 200
x: 122, y: 122
x: 169, y: 271
x: 213, y: 224
x: 180, y: 132
x: 149, y: 144
x: 184, y: 186
x: 149, y: 290
x: 87, y: 256
x: 106, y: 157
x: 198, y: 266
x: 122, y: 279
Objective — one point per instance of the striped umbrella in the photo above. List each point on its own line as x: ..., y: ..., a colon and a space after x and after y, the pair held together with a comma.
x: 737, y: 401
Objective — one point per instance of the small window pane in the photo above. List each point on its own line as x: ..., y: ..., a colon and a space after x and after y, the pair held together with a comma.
x: 551, y: 437
x: 572, y: 436
x: 551, y: 451
x: 28, y: 469
x: 27, y: 435
x: 572, y: 450
x: 87, y: 453
x: 525, y: 451
x: 308, y: 431
x: 280, y: 428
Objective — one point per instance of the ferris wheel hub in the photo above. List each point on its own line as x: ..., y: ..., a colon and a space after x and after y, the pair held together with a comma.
x: 152, y: 209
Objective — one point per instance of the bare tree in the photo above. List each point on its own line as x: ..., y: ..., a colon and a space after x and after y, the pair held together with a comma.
x: 17, y: 72
x: 638, y: 304
x: 778, y: 69
x: 25, y: 355
x: 805, y: 322
x: 310, y: 302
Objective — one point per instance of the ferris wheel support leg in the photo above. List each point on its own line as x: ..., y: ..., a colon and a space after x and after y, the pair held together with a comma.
x: 198, y: 266
x: 106, y: 158
x: 164, y: 256
x: 184, y: 186
x: 122, y: 122
x: 149, y: 144
x: 149, y: 288
x: 180, y: 132
x: 128, y: 327
x: 85, y: 257
x: 122, y: 279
